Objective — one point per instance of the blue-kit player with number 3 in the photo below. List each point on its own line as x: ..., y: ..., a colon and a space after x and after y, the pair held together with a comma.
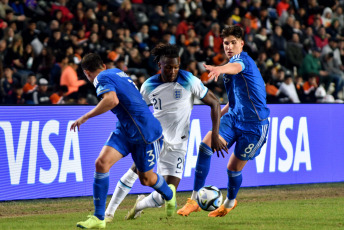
x: 171, y: 93
x: 244, y: 120
x: 137, y: 132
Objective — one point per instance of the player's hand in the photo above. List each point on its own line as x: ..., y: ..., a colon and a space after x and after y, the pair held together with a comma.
x: 78, y: 123
x: 213, y: 71
x: 218, y: 146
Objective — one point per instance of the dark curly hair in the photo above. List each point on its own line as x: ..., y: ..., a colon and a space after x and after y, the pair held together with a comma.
x: 165, y: 50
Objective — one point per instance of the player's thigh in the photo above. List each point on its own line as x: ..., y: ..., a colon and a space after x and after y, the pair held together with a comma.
x: 113, y: 150
x: 249, y: 142
x: 227, y: 129
x: 118, y: 141
x: 172, y: 160
x: 145, y: 155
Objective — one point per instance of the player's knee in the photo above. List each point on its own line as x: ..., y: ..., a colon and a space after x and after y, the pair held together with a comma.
x: 101, y: 165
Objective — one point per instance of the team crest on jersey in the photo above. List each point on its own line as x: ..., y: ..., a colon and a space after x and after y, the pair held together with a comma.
x: 177, y: 94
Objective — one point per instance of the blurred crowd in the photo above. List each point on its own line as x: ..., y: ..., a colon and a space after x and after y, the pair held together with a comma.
x: 297, y: 45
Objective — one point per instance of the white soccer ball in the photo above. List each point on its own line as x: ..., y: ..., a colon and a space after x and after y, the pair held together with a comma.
x: 209, y: 198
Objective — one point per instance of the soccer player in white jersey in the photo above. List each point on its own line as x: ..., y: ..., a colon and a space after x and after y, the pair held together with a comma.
x: 137, y: 132
x: 171, y: 94
x: 244, y: 120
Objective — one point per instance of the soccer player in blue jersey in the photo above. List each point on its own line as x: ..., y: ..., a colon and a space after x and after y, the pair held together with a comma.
x: 172, y: 94
x: 244, y: 120
x: 137, y: 132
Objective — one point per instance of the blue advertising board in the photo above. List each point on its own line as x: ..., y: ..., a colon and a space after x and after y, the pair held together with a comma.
x: 41, y: 158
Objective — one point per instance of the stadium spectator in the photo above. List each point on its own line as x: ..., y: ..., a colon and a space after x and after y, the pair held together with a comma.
x: 30, y: 85
x: 309, y: 88
x: 17, y: 96
x: 311, y: 64
x: 294, y: 52
x: 70, y: 79
x: 213, y: 39
x: 282, y: 6
x: 321, y: 38
x: 41, y: 95
x: 8, y: 82
x: 58, y: 97
x: 288, y: 88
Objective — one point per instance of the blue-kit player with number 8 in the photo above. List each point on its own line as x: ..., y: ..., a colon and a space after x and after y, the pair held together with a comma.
x: 171, y: 94
x: 244, y: 120
x: 137, y: 132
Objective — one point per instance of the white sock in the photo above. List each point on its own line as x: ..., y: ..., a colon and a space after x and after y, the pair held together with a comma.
x: 229, y: 203
x: 152, y: 201
x: 122, y: 189
x: 194, y: 195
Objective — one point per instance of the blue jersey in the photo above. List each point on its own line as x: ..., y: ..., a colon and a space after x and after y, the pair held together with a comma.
x: 246, y: 91
x: 135, y: 118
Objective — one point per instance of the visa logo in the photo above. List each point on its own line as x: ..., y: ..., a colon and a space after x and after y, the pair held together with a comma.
x: 291, y: 156
x: 69, y: 164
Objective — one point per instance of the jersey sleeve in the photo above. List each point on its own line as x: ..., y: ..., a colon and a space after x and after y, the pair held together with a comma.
x: 105, y: 85
x: 238, y: 59
x: 144, y: 92
x: 197, y: 88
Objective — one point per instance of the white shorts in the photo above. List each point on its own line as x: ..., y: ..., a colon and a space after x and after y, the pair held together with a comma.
x: 172, y: 159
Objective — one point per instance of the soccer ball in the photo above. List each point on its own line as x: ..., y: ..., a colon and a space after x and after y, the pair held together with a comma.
x: 209, y: 198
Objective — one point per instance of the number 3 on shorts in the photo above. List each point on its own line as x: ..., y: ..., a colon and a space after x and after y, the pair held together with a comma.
x: 151, y: 157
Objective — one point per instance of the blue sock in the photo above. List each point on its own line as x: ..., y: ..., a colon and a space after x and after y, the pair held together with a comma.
x: 162, y: 187
x: 234, y: 183
x: 100, y: 190
x: 202, y: 165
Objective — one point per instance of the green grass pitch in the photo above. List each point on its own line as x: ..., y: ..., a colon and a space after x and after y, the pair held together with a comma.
x: 314, y: 206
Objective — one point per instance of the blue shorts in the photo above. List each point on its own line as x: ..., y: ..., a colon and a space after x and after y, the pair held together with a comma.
x: 144, y: 155
x: 249, y: 136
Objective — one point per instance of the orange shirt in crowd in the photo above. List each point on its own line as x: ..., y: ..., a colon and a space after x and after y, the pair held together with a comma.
x: 55, y: 98
x: 271, y: 90
x: 69, y: 78
x: 28, y: 88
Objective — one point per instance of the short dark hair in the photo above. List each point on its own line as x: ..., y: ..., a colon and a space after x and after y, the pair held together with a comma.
x: 235, y: 31
x: 92, y: 62
x: 165, y: 50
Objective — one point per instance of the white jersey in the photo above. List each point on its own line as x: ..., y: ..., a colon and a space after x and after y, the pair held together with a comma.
x: 173, y: 102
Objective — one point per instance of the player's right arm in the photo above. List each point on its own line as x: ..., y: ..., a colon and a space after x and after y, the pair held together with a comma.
x: 216, y: 144
x: 229, y: 68
x: 109, y: 101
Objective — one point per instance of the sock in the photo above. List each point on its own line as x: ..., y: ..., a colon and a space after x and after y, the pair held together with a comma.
x: 162, y: 188
x: 194, y: 195
x: 229, y: 203
x: 152, y: 201
x: 100, y: 190
x: 202, y: 166
x: 122, y: 189
x: 234, y: 183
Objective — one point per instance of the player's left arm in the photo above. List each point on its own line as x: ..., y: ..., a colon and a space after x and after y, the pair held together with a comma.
x: 216, y: 144
x: 109, y: 101
x: 229, y: 68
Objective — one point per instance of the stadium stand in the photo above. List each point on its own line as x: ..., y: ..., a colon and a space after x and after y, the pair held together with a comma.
x: 298, y: 45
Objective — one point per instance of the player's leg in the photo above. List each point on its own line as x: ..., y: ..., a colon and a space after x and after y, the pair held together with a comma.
x: 145, y: 160
x: 234, y: 169
x: 248, y: 146
x: 122, y: 189
x: 170, y: 166
x: 107, y: 157
x: 203, y: 163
